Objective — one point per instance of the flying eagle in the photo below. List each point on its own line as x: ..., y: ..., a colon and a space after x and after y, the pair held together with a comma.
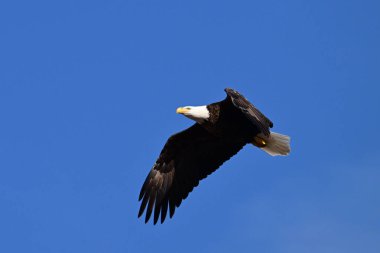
x: 221, y: 130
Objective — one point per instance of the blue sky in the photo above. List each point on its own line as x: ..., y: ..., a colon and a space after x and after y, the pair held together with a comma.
x: 88, y: 92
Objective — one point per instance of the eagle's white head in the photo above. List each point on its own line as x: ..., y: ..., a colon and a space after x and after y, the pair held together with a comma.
x: 197, y: 113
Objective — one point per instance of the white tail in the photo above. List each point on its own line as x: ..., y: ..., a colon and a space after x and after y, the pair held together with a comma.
x: 277, y: 144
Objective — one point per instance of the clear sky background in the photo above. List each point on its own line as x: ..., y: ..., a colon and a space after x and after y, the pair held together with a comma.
x: 88, y: 92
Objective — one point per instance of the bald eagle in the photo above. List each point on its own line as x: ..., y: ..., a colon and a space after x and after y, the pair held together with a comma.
x: 221, y: 130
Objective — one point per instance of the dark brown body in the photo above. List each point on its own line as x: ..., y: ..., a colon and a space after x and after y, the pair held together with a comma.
x: 227, y: 121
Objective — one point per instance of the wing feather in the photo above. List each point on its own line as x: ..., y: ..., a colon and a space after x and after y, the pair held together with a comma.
x: 186, y: 158
x: 249, y: 110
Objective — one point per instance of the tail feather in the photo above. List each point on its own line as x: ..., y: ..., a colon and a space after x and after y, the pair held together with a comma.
x: 277, y: 144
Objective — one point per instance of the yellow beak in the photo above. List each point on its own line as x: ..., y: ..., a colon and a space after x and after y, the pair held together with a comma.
x: 182, y: 110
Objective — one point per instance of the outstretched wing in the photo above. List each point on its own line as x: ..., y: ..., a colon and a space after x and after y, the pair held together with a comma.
x: 250, y: 111
x: 187, y: 158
